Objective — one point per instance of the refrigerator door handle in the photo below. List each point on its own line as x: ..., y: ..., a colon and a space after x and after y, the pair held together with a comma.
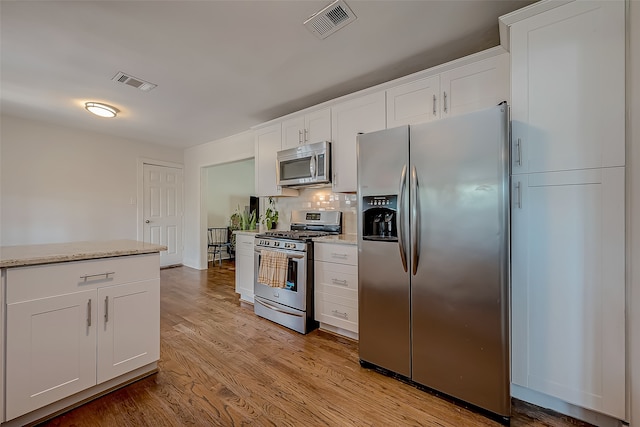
x: 401, y: 222
x: 415, y: 222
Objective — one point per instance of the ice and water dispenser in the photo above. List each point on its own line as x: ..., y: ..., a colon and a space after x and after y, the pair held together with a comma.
x: 379, y: 218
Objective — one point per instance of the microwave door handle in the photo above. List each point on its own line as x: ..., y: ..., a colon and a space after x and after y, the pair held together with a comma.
x: 313, y: 166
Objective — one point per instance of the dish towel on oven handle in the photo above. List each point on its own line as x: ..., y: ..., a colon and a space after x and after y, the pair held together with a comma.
x: 273, y: 268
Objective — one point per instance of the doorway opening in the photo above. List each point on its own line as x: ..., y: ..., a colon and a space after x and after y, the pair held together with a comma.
x: 228, y: 188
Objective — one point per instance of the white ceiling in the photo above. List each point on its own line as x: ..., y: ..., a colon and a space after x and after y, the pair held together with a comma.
x: 220, y: 66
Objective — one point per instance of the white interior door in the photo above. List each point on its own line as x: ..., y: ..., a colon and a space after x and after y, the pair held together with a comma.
x: 162, y: 210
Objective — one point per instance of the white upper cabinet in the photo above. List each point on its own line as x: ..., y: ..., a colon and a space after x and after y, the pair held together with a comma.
x: 475, y: 86
x: 470, y: 87
x: 415, y: 102
x: 309, y: 128
x: 349, y: 118
x: 568, y: 88
x: 268, y: 141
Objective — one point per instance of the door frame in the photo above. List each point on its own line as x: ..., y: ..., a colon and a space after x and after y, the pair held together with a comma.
x: 202, y: 251
x: 140, y: 194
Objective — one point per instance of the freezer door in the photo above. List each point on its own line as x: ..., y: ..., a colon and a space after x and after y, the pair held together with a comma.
x: 459, y: 292
x: 383, y: 281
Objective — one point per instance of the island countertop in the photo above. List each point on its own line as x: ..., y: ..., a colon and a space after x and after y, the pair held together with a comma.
x: 19, y: 256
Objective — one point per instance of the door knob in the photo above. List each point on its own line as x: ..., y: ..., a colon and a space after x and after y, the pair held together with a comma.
x: 147, y: 221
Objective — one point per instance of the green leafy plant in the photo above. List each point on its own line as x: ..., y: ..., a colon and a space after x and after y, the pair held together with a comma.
x: 243, y: 220
x: 270, y: 217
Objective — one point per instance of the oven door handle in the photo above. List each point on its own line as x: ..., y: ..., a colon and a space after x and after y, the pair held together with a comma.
x: 274, y: 308
x: 289, y: 254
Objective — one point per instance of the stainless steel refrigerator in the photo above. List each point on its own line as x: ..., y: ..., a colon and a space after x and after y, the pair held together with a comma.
x: 433, y: 255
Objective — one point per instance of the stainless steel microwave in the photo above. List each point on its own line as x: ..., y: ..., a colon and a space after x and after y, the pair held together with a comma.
x: 305, y: 165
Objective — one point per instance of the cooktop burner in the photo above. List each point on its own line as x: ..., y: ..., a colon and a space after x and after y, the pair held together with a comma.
x: 305, y: 225
x: 302, y: 234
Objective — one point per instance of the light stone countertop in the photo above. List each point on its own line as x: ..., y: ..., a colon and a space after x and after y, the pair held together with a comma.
x: 341, y: 239
x: 246, y: 232
x: 19, y: 256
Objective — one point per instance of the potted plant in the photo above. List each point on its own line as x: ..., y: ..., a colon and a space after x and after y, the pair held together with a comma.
x: 270, y: 217
x: 244, y: 220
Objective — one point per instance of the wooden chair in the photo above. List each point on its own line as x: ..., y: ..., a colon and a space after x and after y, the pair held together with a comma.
x: 217, y: 238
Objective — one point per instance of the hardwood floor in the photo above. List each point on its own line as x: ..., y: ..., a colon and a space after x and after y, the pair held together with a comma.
x: 223, y: 366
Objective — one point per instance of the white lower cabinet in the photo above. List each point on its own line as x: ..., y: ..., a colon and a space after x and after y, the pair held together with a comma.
x: 336, y: 288
x: 244, y: 266
x: 128, y: 326
x: 70, y: 326
x: 51, y: 350
x: 568, y: 287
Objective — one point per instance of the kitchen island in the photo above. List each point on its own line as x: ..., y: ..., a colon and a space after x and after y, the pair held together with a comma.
x: 82, y: 319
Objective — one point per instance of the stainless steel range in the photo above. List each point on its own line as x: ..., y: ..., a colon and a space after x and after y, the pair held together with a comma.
x: 292, y: 304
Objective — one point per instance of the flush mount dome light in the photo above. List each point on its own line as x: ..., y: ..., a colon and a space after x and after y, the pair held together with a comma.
x: 102, y: 110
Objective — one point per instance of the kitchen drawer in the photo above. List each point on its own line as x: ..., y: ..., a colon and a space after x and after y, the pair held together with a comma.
x: 337, y: 311
x: 42, y: 281
x: 342, y: 254
x: 337, y: 279
x: 244, y: 244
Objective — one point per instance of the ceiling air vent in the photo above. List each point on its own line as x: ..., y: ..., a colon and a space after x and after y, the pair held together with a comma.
x: 133, y: 81
x: 330, y: 19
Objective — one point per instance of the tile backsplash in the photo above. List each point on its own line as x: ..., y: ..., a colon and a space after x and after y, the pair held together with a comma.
x: 317, y: 199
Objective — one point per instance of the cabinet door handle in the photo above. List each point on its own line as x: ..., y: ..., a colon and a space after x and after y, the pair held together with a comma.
x: 299, y: 136
x: 519, y: 152
x: 306, y: 135
x: 340, y: 314
x: 89, y: 314
x: 434, y: 105
x: 339, y: 282
x: 91, y: 276
x: 519, y: 196
x: 106, y: 309
x: 445, y: 102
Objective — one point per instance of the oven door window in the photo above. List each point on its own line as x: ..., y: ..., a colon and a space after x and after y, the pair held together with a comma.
x: 292, y: 276
x: 291, y: 282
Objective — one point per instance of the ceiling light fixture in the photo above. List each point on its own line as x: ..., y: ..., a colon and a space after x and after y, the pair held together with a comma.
x: 102, y: 110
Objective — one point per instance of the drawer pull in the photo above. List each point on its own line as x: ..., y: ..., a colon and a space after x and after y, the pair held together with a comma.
x: 340, y: 314
x: 91, y: 276
x: 337, y: 255
x: 339, y: 282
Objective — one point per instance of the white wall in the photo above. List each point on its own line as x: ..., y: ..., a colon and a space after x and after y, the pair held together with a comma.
x: 633, y: 192
x: 60, y: 184
x: 228, y: 186
x: 196, y: 159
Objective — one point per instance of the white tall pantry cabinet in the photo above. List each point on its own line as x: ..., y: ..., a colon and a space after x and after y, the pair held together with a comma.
x: 568, y: 205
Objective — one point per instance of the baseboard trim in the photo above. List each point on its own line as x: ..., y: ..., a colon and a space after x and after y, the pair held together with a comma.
x: 544, y: 401
x: 61, y: 406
